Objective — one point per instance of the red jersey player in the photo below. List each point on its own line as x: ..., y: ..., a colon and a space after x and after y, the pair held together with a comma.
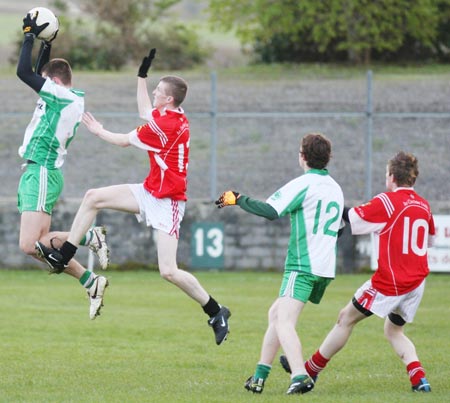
x: 403, y: 226
x: 160, y: 199
x: 167, y: 138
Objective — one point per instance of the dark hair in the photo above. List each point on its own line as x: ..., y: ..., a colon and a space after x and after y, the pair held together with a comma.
x: 316, y: 150
x: 59, y: 68
x: 405, y: 168
x: 177, y: 88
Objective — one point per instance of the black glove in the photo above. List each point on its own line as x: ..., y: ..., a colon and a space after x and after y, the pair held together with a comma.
x: 30, y: 26
x: 146, y: 63
x: 228, y: 198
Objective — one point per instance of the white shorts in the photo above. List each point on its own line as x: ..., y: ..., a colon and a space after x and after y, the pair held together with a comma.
x: 382, y: 305
x: 164, y: 214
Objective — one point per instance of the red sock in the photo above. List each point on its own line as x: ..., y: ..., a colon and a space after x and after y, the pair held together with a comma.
x: 415, y: 372
x: 315, y: 364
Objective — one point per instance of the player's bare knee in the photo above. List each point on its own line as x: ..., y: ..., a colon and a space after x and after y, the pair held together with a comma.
x: 91, y: 198
x: 272, y: 315
x: 388, y: 334
x: 272, y: 318
x: 28, y: 248
x: 393, y: 326
x: 167, y: 275
x: 341, y: 318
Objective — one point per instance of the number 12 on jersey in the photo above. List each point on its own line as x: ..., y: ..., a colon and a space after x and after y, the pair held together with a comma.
x: 332, y: 214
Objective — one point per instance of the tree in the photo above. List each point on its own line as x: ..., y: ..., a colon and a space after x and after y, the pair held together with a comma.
x: 123, y: 17
x: 112, y: 33
x: 357, y: 27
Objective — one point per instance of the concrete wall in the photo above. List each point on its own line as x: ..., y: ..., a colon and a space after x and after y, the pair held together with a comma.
x: 249, y: 242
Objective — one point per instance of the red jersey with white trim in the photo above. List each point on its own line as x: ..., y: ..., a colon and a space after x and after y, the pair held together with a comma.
x: 167, y: 140
x: 404, y: 228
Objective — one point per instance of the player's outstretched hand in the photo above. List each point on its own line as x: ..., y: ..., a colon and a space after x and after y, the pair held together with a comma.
x: 30, y: 26
x: 228, y: 198
x: 146, y: 63
x: 92, y: 124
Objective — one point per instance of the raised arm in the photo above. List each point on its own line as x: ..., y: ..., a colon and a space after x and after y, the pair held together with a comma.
x: 43, y: 57
x: 95, y: 127
x: 143, y: 98
x: 24, y: 67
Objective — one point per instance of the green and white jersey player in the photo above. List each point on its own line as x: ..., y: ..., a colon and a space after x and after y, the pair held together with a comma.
x: 52, y: 128
x: 315, y: 202
x: 53, y: 125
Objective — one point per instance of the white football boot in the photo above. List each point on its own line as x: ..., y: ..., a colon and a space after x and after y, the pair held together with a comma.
x: 99, y: 247
x: 96, y: 293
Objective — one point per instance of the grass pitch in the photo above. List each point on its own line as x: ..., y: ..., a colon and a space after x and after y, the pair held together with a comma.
x: 152, y: 343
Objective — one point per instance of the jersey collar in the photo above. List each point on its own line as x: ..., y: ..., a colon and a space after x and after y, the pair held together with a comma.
x: 178, y: 110
x: 317, y: 171
x: 404, y: 188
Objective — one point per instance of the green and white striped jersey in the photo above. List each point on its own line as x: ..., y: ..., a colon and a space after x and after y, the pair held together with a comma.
x: 53, y: 126
x: 315, y: 203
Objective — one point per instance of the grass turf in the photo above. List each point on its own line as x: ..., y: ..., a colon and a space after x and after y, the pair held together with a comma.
x: 152, y: 343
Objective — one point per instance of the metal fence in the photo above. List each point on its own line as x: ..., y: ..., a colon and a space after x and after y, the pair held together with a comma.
x: 245, y: 134
x: 372, y: 119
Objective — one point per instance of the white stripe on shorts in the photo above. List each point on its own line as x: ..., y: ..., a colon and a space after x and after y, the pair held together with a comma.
x: 164, y: 214
x: 405, y: 305
x: 43, y: 186
x: 290, y: 286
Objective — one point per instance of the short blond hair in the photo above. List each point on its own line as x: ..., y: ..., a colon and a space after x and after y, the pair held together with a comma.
x: 177, y: 88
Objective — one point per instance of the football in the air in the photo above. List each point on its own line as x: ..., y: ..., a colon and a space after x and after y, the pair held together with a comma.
x: 45, y: 15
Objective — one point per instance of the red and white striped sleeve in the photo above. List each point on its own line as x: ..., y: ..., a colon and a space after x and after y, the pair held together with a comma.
x: 372, y: 216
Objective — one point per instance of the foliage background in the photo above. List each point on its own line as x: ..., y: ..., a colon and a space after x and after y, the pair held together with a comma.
x: 111, y: 34
x: 355, y: 31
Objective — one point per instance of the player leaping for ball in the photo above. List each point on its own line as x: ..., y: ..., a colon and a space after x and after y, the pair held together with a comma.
x: 160, y: 200
x: 51, y: 130
x: 404, y: 228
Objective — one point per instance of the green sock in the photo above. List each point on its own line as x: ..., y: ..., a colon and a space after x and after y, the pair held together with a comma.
x: 83, y: 241
x: 262, y: 371
x: 299, y: 378
x: 87, y: 237
x: 87, y: 279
